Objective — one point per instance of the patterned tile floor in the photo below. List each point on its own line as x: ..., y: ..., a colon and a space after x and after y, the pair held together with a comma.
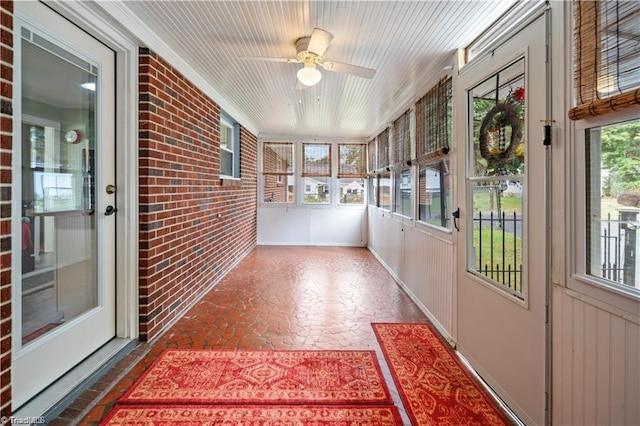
x: 276, y: 298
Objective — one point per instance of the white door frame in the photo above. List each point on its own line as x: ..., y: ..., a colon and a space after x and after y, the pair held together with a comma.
x: 90, y: 18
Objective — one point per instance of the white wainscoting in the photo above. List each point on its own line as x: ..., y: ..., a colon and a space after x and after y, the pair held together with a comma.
x: 281, y: 225
x: 421, y: 262
x: 596, y: 362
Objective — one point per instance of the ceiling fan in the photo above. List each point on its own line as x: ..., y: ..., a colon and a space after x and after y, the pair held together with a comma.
x: 311, y: 53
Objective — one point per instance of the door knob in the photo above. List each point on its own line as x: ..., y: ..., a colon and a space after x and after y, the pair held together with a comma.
x: 110, y: 210
x: 111, y: 189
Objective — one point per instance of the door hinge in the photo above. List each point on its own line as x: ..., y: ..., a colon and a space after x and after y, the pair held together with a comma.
x: 546, y: 314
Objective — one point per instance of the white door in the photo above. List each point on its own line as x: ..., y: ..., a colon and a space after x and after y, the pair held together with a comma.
x: 501, y: 242
x: 64, y: 226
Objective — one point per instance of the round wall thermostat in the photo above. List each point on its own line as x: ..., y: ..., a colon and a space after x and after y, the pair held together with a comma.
x: 73, y: 136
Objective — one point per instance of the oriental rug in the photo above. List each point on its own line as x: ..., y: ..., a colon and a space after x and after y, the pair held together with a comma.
x: 261, y: 377
x: 253, y: 415
x: 433, y: 385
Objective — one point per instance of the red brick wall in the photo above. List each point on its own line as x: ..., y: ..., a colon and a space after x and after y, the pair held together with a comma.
x: 6, y: 114
x: 193, y: 226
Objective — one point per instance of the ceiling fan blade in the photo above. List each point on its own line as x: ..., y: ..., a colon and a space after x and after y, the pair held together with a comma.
x: 348, y: 69
x: 319, y: 41
x: 269, y: 59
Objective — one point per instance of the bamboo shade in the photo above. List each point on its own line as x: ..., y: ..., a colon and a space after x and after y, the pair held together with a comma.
x: 383, y: 150
x: 353, y: 160
x: 371, y: 154
x: 317, y: 159
x: 607, y: 57
x: 277, y: 158
x: 433, y: 122
x: 401, y: 141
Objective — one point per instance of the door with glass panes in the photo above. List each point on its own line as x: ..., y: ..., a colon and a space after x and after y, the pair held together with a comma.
x: 64, y: 202
x: 501, y: 293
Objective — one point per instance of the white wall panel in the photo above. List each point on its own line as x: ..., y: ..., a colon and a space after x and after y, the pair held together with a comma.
x: 312, y: 226
x: 422, y: 264
x: 429, y: 265
x: 596, y: 363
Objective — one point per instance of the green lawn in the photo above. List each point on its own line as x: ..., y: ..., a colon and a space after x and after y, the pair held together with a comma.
x: 512, y: 255
x: 482, y: 203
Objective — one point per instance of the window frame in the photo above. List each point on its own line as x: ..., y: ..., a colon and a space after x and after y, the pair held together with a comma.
x: 397, y: 193
x: 227, y: 121
x: 281, y: 178
x: 446, y: 215
x: 600, y: 289
x: 299, y: 174
x: 322, y: 176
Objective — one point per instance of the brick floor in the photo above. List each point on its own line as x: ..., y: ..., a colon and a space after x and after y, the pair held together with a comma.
x: 276, y: 298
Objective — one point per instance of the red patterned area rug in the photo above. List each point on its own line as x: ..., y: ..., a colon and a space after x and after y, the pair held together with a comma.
x: 435, y: 388
x: 261, y: 377
x: 257, y: 415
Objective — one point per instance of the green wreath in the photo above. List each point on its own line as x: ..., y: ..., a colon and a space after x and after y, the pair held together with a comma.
x: 503, y: 114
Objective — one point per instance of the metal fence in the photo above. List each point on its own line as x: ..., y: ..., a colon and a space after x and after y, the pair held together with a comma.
x: 498, y: 241
x: 498, y: 248
x: 618, y: 248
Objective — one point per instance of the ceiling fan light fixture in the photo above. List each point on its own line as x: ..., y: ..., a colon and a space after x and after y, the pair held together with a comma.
x: 309, y: 75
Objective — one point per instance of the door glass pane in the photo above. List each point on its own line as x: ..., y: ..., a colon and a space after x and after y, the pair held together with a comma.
x: 59, y: 280
x: 496, y: 169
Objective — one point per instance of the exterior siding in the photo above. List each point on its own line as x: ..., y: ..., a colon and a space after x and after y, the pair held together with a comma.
x: 193, y: 226
x: 6, y: 118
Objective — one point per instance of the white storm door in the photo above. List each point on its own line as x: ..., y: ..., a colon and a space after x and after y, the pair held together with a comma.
x: 64, y: 226
x: 501, y: 243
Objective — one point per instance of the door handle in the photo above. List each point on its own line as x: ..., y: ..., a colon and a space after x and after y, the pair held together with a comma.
x: 456, y: 216
x: 110, y: 210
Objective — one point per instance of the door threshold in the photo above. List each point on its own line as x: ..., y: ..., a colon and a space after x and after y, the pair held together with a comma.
x: 49, y: 403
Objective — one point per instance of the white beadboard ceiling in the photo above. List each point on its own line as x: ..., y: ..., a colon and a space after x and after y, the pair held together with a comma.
x: 408, y: 43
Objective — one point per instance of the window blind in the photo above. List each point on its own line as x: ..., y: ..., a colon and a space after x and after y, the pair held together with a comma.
x: 371, y: 155
x: 383, y: 150
x: 401, y: 141
x: 606, y: 57
x: 317, y: 159
x: 277, y: 158
x: 433, y: 122
x: 353, y: 160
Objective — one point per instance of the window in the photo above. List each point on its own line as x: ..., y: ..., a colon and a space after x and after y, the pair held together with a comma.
x: 229, y: 147
x: 433, y: 139
x: 606, y: 87
x: 384, y: 191
x: 316, y: 172
x: 401, y: 142
x: 352, y: 170
x: 612, y: 198
x: 373, y: 190
x: 495, y: 178
x: 434, y: 195
x: 277, y: 168
x: 403, y: 192
x: 371, y: 167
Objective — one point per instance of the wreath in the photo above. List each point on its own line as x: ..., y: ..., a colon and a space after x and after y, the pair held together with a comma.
x: 501, y: 115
